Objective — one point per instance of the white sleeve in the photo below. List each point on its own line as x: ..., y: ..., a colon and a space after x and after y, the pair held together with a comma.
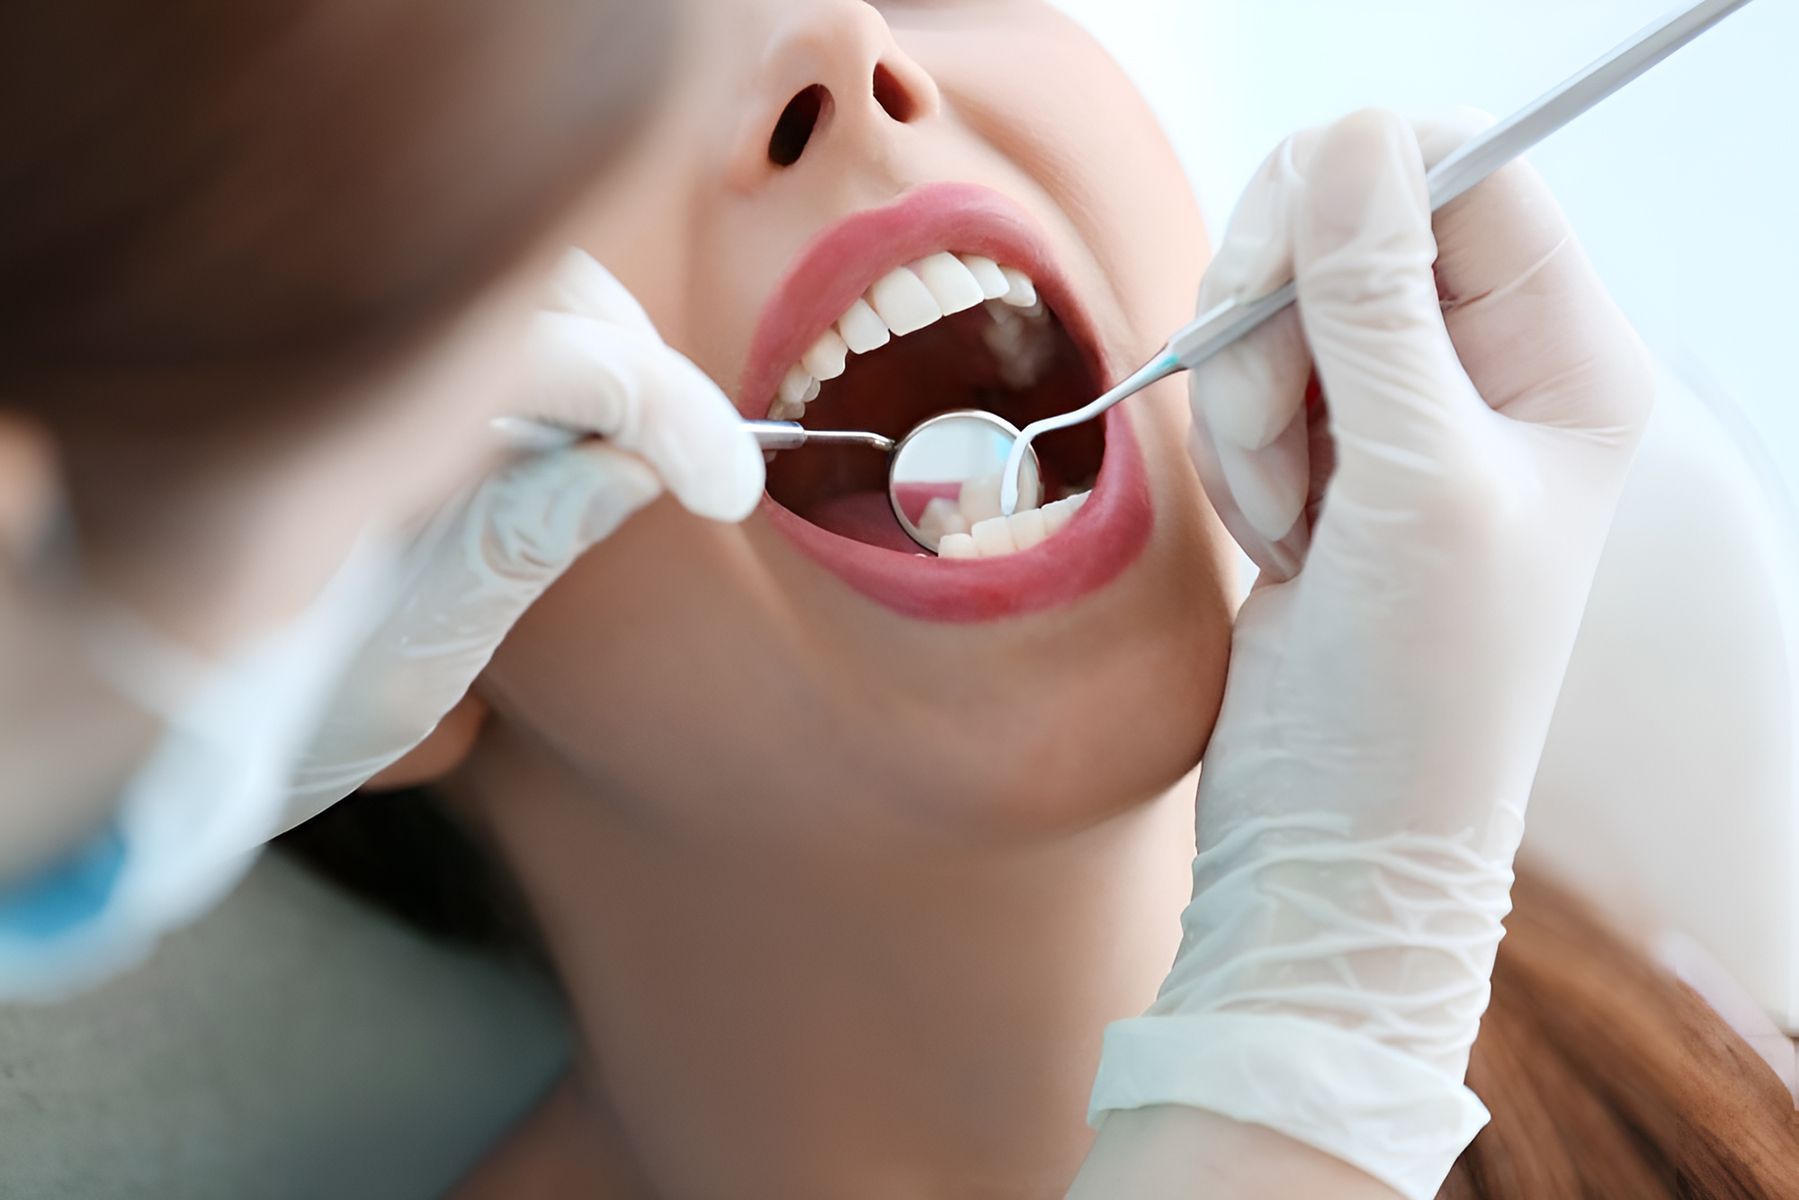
x: 1691, y: 648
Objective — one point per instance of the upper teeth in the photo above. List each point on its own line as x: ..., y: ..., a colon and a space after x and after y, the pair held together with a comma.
x: 903, y: 302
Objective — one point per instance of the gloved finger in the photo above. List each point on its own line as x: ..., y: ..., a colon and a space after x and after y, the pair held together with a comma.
x: 1245, y: 399
x: 1444, y: 131
x: 483, y: 563
x: 1270, y: 484
x: 1248, y: 394
x: 582, y: 287
x: 1256, y: 254
x: 542, y: 515
x: 1268, y: 373
x: 486, y: 559
x: 1508, y: 259
x: 1279, y: 559
x: 472, y: 574
x: 1208, y: 459
x: 1400, y: 402
x: 646, y: 398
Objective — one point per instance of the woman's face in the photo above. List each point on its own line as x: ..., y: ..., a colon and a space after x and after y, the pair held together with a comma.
x: 811, y: 656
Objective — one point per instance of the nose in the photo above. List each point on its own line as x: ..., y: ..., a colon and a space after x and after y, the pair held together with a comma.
x: 834, y: 73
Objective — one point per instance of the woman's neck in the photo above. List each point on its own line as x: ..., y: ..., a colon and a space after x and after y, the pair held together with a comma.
x: 801, y: 1021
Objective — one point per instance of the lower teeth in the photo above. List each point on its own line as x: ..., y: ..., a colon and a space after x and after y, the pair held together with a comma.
x: 997, y: 536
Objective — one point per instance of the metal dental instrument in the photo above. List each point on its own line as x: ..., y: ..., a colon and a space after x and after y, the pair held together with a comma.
x: 791, y: 435
x: 1453, y: 177
x: 932, y: 463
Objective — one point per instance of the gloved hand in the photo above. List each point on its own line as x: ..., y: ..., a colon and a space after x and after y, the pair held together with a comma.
x: 1394, y: 672
x: 600, y: 366
x: 217, y: 780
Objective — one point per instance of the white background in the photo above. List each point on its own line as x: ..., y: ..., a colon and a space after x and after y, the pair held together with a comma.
x: 1685, y: 188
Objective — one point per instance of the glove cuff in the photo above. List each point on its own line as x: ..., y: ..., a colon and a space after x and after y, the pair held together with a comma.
x: 1401, y: 1121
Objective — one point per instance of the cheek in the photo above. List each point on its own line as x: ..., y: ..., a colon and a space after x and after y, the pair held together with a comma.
x: 1097, y: 150
x: 690, y: 257
x: 589, y: 668
x: 643, y: 244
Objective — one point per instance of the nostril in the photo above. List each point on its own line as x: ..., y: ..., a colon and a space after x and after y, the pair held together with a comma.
x: 800, y: 120
x: 894, y: 97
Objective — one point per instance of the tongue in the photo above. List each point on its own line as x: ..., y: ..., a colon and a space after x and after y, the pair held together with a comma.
x: 866, y: 517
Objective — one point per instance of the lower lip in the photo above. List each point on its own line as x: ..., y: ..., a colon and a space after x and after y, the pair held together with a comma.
x: 1104, y: 538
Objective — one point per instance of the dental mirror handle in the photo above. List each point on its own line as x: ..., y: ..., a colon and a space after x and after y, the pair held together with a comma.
x: 538, y: 436
x: 791, y: 435
x: 1451, y: 179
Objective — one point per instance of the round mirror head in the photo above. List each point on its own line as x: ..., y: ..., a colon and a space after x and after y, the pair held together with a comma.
x: 945, y: 475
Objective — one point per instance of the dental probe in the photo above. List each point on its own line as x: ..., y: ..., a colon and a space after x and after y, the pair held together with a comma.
x: 791, y: 435
x: 1456, y: 175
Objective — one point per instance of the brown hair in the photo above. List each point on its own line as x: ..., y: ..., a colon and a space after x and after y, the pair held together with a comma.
x: 1607, y: 1079
x: 215, y: 214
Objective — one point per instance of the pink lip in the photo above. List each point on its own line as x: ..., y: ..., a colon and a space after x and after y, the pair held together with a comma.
x: 1105, y: 537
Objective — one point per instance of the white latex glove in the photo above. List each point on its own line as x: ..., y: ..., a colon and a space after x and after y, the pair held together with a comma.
x: 600, y: 366
x: 1394, y: 673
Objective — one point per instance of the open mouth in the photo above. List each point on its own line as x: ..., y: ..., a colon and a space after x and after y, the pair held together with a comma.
x: 951, y: 331
x: 948, y: 298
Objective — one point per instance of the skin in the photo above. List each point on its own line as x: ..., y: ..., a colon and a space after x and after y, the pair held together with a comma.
x: 27, y: 487
x: 844, y: 901
x: 268, y: 526
x: 48, y: 688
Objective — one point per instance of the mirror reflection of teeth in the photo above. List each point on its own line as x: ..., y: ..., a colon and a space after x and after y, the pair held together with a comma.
x: 914, y: 298
x: 942, y: 517
x: 996, y: 537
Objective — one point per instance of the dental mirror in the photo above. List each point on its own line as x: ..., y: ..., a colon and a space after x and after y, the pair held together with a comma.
x: 942, y: 478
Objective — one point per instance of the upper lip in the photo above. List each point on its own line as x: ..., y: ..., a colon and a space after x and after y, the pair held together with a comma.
x: 842, y: 262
